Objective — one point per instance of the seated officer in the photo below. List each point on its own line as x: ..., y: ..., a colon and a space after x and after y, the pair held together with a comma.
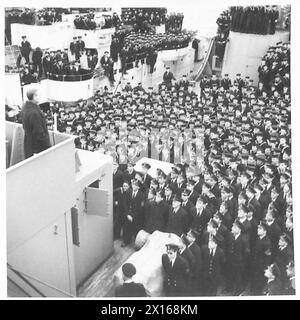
x: 129, y: 288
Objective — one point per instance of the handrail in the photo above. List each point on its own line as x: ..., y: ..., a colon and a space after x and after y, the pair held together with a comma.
x: 66, y: 77
x: 22, y: 274
x: 25, y: 280
x: 19, y: 287
x: 212, y: 40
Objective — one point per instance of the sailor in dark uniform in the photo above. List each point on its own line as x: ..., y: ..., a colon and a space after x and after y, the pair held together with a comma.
x: 192, y: 237
x: 168, y: 77
x: 260, y: 259
x: 178, y: 220
x: 175, y: 271
x: 146, y: 178
x: 169, y: 195
x: 273, y: 286
x: 237, y: 256
x: 213, y: 262
x: 289, y: 289
x: 129, y: 288
x: 226, y: 82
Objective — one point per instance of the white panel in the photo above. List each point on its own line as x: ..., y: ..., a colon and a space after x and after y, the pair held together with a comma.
x: 97, y: 202
x: 34, y: 192
x: 244, y: 52
x: 96, y: 243
x: 69, y: 90
x: 13, y: 95
x: 45, y: 257
x: 95, y: 231
x: 51, y: 35
x: 16, y: 145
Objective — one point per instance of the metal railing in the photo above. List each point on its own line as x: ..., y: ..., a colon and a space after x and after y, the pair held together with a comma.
x: 18, y: 273
x: 24, y: 277
x: 65, y: 77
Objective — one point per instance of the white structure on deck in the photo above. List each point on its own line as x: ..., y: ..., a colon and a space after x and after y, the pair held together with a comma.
x: 244, y: 52
x: 59, y: 215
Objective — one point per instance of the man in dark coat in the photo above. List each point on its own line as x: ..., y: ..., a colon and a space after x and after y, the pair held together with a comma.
x: 105, y: 63
x: 227, y: 218
x: 36, y: 136
x: 118, y: 176
x: 278, y: 203
x: 273, y: 286
x: 193, y: 193
x: 47, y: 64
x: 146, y: 178
x: 37, y: 61
x: 198, y: 183
x: 242, y: 217
x: 186, y: 253
x: 130, y: 288
x: 136, y: 210
x: 222, y: 229
x: 121, y: 206
x: 201, y: 216
x: 80, y: 46
x: 180, y: 183
x: 25, y: 48
x: 192, y: 237
x: 188, y: 205
x: 273, y: 232
x: 212, y: 231
x: 257, y: 214
x: 74, y: 48
x: 27, y: 77
x: 253, y: 229
x: 151, y: 59
x: 130, y: 172
x: 239, y: 81
x: 195, y: 46
x: 178, y: 218
x: 284, y: 256
x: 263, y: 197
x: 168, y: 77
x: 237, y: 255
x: 114, y: 49
x: 169, y: 194
x: 213, y: 262
x: 260, y: 259
x: 175, y: 272
x: 226, y: 82
x: 290, y: 271
x: 156, y: 214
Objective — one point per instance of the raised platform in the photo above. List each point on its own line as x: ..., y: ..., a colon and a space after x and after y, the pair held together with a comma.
x: 59, y: 35
x: 67, y: 91
x: 244, y: 52
x: 59, y: 214
x: 180, y: 61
